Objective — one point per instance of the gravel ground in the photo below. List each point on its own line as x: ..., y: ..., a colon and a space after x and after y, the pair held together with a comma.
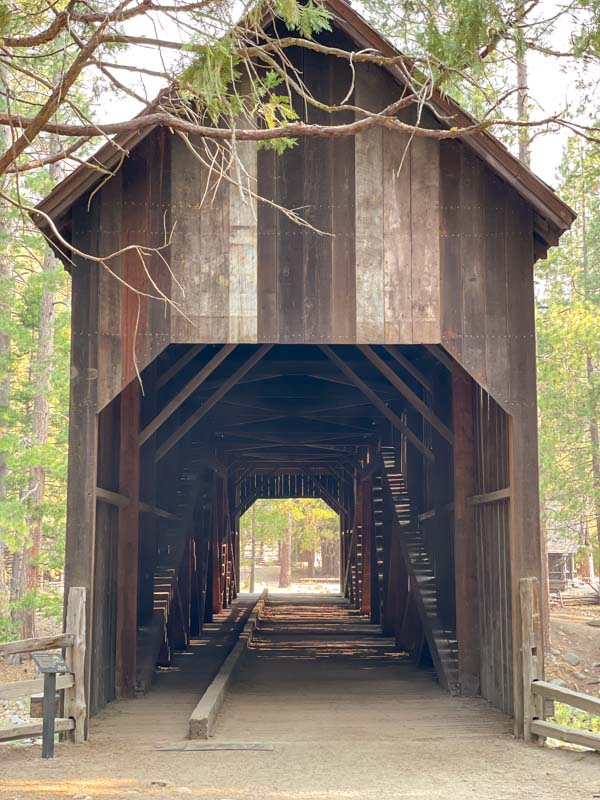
x: 348, y: 719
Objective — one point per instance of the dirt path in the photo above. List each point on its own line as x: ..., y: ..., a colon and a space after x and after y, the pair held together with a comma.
x: 348, y: 719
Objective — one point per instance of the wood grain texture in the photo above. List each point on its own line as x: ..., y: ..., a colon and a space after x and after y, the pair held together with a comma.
x: 425, y: 218
x: 242, y: 312
x: 397, y: 244
x: 110, y: 291
x: 343, y: 210
x: 83, y: 427
x: 267, y: 249
x: 370, y: 312
x: 318, y: 190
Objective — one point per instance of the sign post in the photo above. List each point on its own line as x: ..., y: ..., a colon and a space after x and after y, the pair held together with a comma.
x: 49, y: 664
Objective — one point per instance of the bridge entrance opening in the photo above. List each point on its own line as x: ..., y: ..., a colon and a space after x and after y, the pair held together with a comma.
x: 290, y: 545
x: 350, y: 467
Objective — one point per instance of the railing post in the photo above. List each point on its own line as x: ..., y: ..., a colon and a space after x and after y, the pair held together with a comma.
x: 75, y: 699
x: 531, y: 653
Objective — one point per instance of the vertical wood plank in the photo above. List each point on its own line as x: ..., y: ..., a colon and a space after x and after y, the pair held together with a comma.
x: 531, y: 635
x: 370, y: 314
x: 465, y: 541
x: 135, y: 345
x: 200, y: 246
x: 128, y: 542
x: 243, y: 321
x: 75, y: 656
x: 290, y: 240
x: 110, y: 291
x: 318, y: 191
x: 450, y: 247
x: 83, y: 427
x: 267, y: 311
x: 473, y: 268
x: 425, y: 218
x: 397, y: 246
x: 343, y: 250
x: 496, y: 301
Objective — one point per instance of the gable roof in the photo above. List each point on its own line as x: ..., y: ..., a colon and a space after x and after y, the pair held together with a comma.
x: 553, y: 215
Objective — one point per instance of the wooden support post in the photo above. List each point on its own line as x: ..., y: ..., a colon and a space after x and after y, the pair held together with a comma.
x: 532, y: 652
x: 149, y: 521
x: 525, y: 548
x: 128, y: 542
x: 465, y: 543
x: 216, y: 555
x: 75, y: 698
x: 364, y: 501
x: 83, y: 423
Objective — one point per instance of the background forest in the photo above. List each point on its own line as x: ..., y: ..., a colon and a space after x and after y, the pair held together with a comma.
x: 472, y: 47
x: 300, y: 536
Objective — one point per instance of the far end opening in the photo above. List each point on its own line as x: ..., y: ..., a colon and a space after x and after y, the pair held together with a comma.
x: 290, y: 546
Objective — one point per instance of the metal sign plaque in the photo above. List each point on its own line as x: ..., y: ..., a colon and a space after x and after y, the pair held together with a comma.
x: 50, y: 662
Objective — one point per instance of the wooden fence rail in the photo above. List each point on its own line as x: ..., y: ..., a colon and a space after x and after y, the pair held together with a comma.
x: 536, y: 690
x: 73, y: 644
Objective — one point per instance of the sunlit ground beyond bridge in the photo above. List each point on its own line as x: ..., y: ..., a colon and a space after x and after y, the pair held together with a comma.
x: 347, y: 716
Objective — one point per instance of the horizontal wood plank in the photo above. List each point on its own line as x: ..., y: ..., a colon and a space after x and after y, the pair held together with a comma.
x: 31, y: 729
x: 112, y: 498
x: 489, y: 497
x: 34, y: 645
x: 12, y: 691
x: 584, y: 702
x: 564, y: 734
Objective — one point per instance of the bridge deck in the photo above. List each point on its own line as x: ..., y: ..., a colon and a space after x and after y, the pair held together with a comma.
x: 348, y: 718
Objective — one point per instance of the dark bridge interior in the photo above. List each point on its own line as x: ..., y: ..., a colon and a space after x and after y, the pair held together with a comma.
x: 367, y: 429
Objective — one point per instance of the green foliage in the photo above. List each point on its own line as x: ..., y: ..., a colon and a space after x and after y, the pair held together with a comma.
x: 573, y: 718
x: 568, y: 328
x: 311, y: 521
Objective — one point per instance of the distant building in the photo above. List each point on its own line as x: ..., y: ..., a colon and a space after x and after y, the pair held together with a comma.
x: 562, y: 544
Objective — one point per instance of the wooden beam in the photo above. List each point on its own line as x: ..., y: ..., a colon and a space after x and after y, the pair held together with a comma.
x: 584, y: 702
x: 407, y: 365
x: 406, y: 392
x: 465, y: 539
x: 553, y: 730
x: 147, y: 508
x: 184, y: 393
x: 182, y: 362
x: 112, y: 498
x: 16, y: 689
x: 489, y: 497
x: 532, y: 653
x: 333, y: 501
x: 440, y: 355
x: 35, y: 645
x: 217, y: 395
x: 127, y: 543
x: 29, y: 730
x: 378, y: 403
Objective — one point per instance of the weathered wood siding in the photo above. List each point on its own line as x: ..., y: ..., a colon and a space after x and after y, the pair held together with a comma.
x: 364, y: 268
x: 492, y: 526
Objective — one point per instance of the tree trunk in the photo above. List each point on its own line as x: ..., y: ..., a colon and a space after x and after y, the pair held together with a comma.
x: 30, y: 571
x: 285, y: 558
x: 595, y: 447
x: 5, y: 346
x: 252, y: 548
x: 311, y: 564
x: 522, y: 89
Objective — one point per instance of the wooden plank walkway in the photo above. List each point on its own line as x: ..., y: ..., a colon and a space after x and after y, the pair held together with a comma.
x: 347, y: 716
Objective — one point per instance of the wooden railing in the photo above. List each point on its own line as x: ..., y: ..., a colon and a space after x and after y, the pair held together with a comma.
x: 537, y: 691
x: 72, y: 641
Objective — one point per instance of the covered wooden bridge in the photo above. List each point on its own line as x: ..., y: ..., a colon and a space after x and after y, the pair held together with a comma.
x: 387, y: 367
